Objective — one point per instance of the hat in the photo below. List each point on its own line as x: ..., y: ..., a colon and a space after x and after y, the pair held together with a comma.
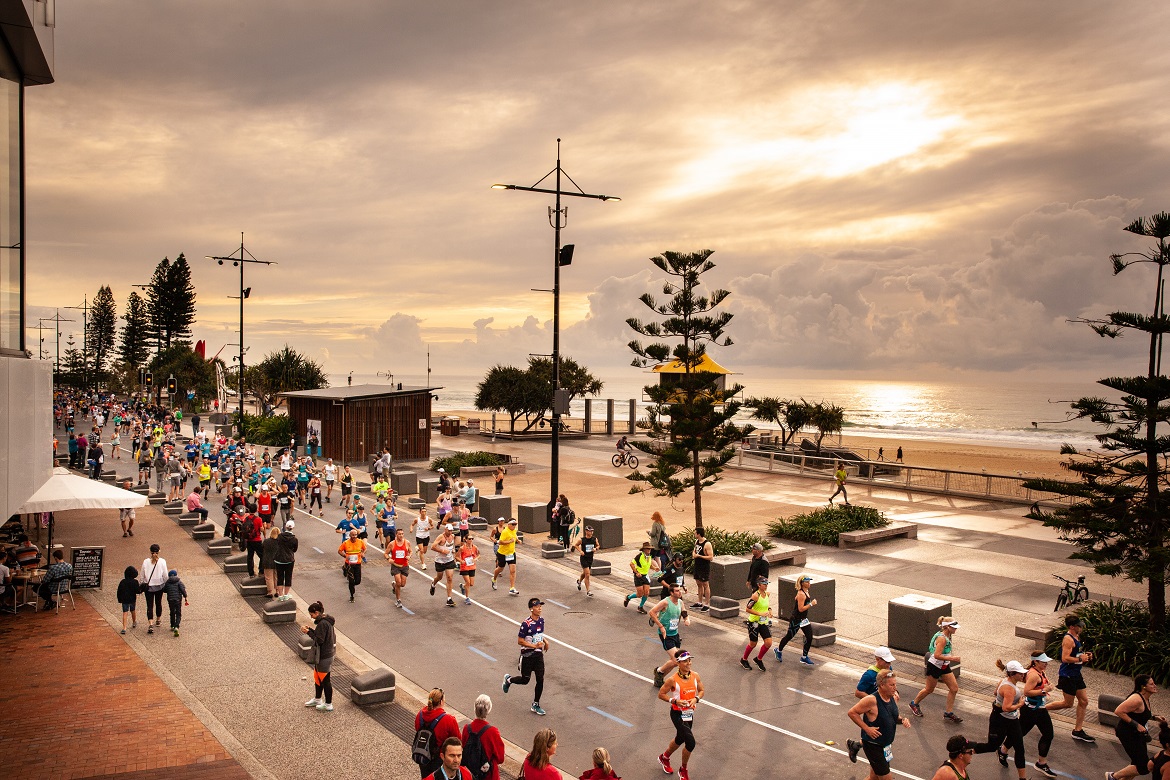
x: 683, y: 655
x: 173, y: 573
x: 534, y: 602
x: 950, y: 624
x: 441, y: 471
x: 958, y: 744
x: 450, y: 527
x: 588, y: 528
x: 884, y: 653
x: 1014, y: 667
x: 1073, y: 620
x: 757, y: 547
x: 513, y: 521
x: 761, y: 580
x: 239, y: 490
x: 807, y: 578
x: 155, y: 548
x: 1042, y: 658
x: 645, y: 545
x: 678, y: 556
x: 289, y: 525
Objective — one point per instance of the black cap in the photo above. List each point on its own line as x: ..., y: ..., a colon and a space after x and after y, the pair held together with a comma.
x: 532, y: 602
x: 155, y: 548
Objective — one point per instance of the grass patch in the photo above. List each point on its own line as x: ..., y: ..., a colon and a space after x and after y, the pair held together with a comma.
x: 1118, y: 635
x: 825, y: 526
x: 452, y: 463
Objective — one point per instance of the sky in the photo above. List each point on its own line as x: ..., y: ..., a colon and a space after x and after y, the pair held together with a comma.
x: 896, y: 189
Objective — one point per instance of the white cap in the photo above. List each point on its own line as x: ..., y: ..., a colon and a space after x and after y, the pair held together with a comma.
x: 884, y: 653
x: 441, y: 471
x: 289, y: 525
x: 1014, y: 667
x: 450, y: 527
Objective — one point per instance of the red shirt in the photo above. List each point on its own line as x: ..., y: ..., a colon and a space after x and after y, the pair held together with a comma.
x: 257, y: 528
x: 550, y: 772
x: 264, y: 504
x: 446, y: 727
x: 493, y: 744
x: 400, y: 556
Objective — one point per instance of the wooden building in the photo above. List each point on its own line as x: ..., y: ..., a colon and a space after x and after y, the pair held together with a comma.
x: 357, y: 421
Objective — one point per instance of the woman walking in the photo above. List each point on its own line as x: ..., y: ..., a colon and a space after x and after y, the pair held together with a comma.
x: 1034, y: 714
x: 441, y: 725
x: 799, y: 621
x: 1003, y: 725
x: 325, y: 639
x: 1133, y: 715
x: 659, y: 539
x: 153, y: 576
x: 938, y: 667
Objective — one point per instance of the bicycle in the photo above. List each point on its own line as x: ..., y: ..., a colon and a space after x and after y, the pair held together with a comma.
x: 1072, y: 594
x: 624, y: 458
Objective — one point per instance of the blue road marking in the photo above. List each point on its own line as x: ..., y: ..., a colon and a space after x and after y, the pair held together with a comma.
x: 479, y: 652
x: 559, y: 604
x: 614, y: 718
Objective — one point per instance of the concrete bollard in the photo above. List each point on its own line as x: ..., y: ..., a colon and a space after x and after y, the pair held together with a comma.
x: 373, y: 687
x: 552, y: 550
x: 533, y: 517
x: 188, y: 519
x: 306, y: 647
x: 250, y: 587
x: 729, y: 576
x: 607, y: 529
x: 204, y: 531
x: 724, y: 608
x: 494, y: 507
x: 404, y: 483
x: 912, y: 620
x: 221, y: 546
x: 235, y: 563
x: 824, y: 590
x: 600, y: 567
x: 280, y: 611
x: 1106, y: 704
x: 428, y: 489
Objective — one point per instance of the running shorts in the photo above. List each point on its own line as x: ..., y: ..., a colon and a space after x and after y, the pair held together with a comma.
x: 757, y: 630
x: 936, y: 672
x: 504, y: 560
x: 587, y: 561
x: 876, y: 755
x: 422, y: 540
x: 669, y: 642
x: 403, y: 570
x: 448, y: 566
x: 468, y: 573
x: 1070, y: 684
x: 640, y: 580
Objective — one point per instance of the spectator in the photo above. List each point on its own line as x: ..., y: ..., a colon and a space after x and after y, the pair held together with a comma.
x: 602, y: 769
x: 470, y: 494
x: 128, y: 597
x: 269, y: 550
x: 196, y: 506
x: 325, y: 638
x: 442, y: 726
x: 758, y: 566
x: 126, y: 515
x: 56, y: 580
x: 254, y: 537
x: 153, y: 576
x: 26, y: 553
x: 482, y: 743
x: 659, y: 539
x: 176, y: 597
x: 451, y: 756
x: 538, y: 763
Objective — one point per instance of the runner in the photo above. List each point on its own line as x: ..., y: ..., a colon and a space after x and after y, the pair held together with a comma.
x: 684, y: 691
x: 702, y: 556
x: 877, y: 716
x: 346, y: 487
x: 422, y: 535
x: 1034, y: 714
x: 352, y: 552
x: 205, y: 477
x: 506, y: 553
x: 1133, y: 715
x: 938, y: 667
x: 468, y: 555
x: 641, y: 565
x: 1160, y: 764
x: 840, y: 476
x: 1069, y: 679
x: 667, y: 614
x: 398, y: 553
x: 1003, y: 726
x: 444, y: 548
x: 586, y: 545
x: 759, y: 624
x: 959, y: 752
x: 799, y: 621
x: 315, y: 495
x: 672, y: 574
x: 330, y: 478
x: 533, y: 646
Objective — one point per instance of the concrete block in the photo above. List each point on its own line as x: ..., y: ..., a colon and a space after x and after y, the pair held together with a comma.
x: 306, y: 647
x: 252, y: 586
x: 221, y: 546
x: 280, y: 611
x: 142, y: 490
x: 494, y: 507
x: 533, y: 517
x: 109, y: 476
x: 404, y: 483
x: 174, y: 508
x: 373, y: 687
x: 600, y: 567
x: 204, y: 531
x: 869, y: 536
x: 724, y: 608
x: 607, y: 529
x: 235, y: 563
x: 415, y: 503
x: 912, y: 620
x: 824, y: 590
x: 552, y: 550
x: 429, y: 489
x: 156, y: 499
x: 823, y: 635
x: 729, y: 576
x: 1040, y: 630
x: 188, y: 519
x: 786, y: 555
x: 1106, y: 704
x: 476, y: 523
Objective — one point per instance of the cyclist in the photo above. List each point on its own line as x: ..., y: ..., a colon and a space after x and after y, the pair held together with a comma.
x: 799, y: 621
x: 398, y: 553
x: 684, y: 690
x: 758, y: 623
x: 586, y: 546
x: 667, y: 614
x: 1069, y: 679
x: 623, y: 448
x: 938, y: 667
x: 878, y: 717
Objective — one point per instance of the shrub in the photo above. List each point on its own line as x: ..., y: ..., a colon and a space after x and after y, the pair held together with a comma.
x: 274, y: 431
x: 722, y: 542
x: 452, y: 463
x: 1118, y: 635
x: 825, y: 526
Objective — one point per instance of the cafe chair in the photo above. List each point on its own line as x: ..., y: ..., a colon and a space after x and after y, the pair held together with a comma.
x: 59, y: 590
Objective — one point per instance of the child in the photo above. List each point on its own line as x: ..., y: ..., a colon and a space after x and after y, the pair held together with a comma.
x: 602, y: 770
x: 128, y: 596
x: 176, y: 597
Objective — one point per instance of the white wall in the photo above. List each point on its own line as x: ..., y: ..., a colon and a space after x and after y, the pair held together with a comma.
x: 26, y: 430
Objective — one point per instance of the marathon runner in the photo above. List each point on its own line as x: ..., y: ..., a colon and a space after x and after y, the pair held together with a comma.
x: 352, y: 552
x: 445, y: 561
x: 938, y: 667
x: 759, y: 624
x: 877, y: 716
x: 506, y: 553
x: 533, y: 646
x: 421, y: 526
x: 683, y: 690
x: 673, y: 575
x: 799, y: 621
x: 346, y: 487
x: 641, y: 565
x: 330, y: 478
x: 1069, y: 679
x: 398, y: 553
x: 882, y: 659
x: 586, y: 545
x: 667, y: 614
x: 702, y: 556
x: 1034, y: 714
x: 468, y: 555
x: 960, y: 752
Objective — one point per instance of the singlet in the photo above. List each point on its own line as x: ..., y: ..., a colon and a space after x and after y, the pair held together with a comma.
x: 1037, y: 702
x: 205, y: 473
x: 1014, y: 714
x: 467, y: 556
x: 684, y: 688
x: 955, y: 769
x: 641, y: 564
x: 588, y: 545
x: 760, y: 604
x: 1068, y: 669
x: 886, y: 722
x: 799, y: 614
x: 671, y: 616
x: 930, y: 659
x: 400, y: 555
x: 702, y: 565
x: 449, y: 556
x: 1160, y: 761
x: 422, y: 529
x: 330, y: 473
x: 507, y: 542
x: 1139, y: 718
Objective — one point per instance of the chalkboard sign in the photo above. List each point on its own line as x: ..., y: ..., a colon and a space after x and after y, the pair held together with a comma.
x: 87, y: 567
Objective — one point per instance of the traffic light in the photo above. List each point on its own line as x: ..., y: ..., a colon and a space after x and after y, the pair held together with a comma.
x: 149, y: 379
x: 172, y: 386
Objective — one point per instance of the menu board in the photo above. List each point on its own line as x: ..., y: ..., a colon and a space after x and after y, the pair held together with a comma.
x: 87, y: 567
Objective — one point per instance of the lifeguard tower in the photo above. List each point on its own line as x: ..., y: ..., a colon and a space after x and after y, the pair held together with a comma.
x: 671, y: 374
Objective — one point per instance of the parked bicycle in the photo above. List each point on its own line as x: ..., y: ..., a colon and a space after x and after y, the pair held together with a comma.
x: 624, y: 458
x: 1072, y: 593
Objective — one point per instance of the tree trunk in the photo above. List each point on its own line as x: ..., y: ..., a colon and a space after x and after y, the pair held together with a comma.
x: 698, y: 489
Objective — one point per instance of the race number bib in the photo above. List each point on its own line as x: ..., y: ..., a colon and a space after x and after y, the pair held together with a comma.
x: 687, y: 715
x: 353, y: 558
x: 673, y: 627
x: 804, y: 623
x: 536, y: 639
x: 888, y: 752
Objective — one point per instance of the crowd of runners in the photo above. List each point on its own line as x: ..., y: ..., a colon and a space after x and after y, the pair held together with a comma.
x: 261, y: 488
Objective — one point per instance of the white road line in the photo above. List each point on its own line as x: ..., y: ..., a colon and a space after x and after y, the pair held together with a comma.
x: 559, y: 604
x: 814, y: 696
x: 479, y: 652
x: 614, y: 718
x: 319, y: 550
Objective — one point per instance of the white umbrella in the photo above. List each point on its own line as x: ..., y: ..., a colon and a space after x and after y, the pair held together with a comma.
x: 66, y: 490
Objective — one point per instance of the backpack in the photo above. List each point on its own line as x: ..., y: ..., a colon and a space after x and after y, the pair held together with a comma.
x: 249, y: 529
x: 664, y: 542
x: 425, y: 749
x: 475, y: 758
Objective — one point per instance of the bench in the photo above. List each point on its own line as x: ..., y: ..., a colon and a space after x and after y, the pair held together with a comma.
x: 187, y: 519
x: 868, y: 536
x: 1106, y: 704
x: 174, y: 508
x: 786, y: 555
x: 1040, y: 630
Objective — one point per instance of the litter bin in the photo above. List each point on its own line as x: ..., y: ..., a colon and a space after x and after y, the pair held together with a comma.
x: 449, y: 426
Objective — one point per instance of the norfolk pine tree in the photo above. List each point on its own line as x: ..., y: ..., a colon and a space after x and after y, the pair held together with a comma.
x: 102, y: 326
x: 1119, y: 514
x: 134, y: 340
x: 690, y: 448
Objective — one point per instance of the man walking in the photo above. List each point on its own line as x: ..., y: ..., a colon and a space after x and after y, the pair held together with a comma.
x: 533, y: 646
x: 840, y: 476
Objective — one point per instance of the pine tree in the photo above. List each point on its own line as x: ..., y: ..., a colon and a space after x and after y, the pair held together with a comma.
x: 156, y: 304
x: 181, y: 302
x: 102, y: 326
x: 134, y: 343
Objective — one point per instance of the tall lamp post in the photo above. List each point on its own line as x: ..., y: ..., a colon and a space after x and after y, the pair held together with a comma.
x: 244, y: 258
x: 558, y: 218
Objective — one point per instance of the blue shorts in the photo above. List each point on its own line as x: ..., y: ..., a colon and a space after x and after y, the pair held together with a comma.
x: 128, y: 607
x: 670, y: 642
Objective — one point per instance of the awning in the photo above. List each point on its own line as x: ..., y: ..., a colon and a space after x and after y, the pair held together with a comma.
x: 65, y: 490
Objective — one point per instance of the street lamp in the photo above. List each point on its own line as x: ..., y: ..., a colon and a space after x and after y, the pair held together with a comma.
x: 558, y: 218
x: 245, y: 292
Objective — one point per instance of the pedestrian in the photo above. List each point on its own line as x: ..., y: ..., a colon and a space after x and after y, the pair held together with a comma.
x: 253, y: 532
x: 1034, y: 714
x: 938, y: 667
x: 586, y: 545
x: 445, y: 561
x: 153, y: 577
x: 673, y: 574
x: 659, y: 539
x: 483, y: 747
x: 176, y: 598
x: 882, y: 659
x: 667, y: 614
x: 701, y: 558
x: 325, y: 641
x: 468, y: 554
x: 602, y: 768
x: 533, y: 647
x: 439, y: 725
x: 538, y: 764
x: 353, y: 553
x: 499, y: 475
x: 1069, y: 679
x: 451, y: 759
x: 126, y: 515
x: 881, y: 453
x: 840, y: 475
x: 128, y: 597
x: 506, y: 537
x: 960, y: 752
x: 269, y: 549
x: 683, y: 690
x: 285, y: 560
x: 1133, y: 714
x: 641, y: 565
x: 757, y: 566
x: 1003, y: 725
x: 877, y: 716
x: 566, y: 519
x: 899, y: 457
x: 421, y: 526
x: 799, y: 620
x: 759, y: 624
x: 398, y: 553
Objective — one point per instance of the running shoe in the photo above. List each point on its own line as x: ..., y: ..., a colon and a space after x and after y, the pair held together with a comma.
x: 760, y: 664
x: 493, y: 583
x: 150, y: 630
x: 683, y: 774
x: 507, y: 683
x: 659, y: 677
x: 537, y: 709
x: 467, y: 602
x: 398, y: 603
x: 124, y: 535
x: 351, y: 599
x: 705, y: 608
x: 779, y: 654
x: 450, y: 603
x: 324, y: 708
x: 804, y: 659
x: 513, y: 592
x: 952, y: 717
x: 626, y: 603
x: 463, y: 588
x: 1046, y: 770
x: 312, y: 702
x: 1083, y: 737
x: 1108, y: 776
x: 176, y: 631
x: 424, y: 567
x: 916, y: 709
x: 1002, y: 756
x: 642, y: 611
x: 589, y: 593
x: 432, y: 588
x: 744, y: 663
x: 123, y: 631
x: 854, y: 748
x: 578, y: 584
x: 697, y: 605
x: 664, y: 762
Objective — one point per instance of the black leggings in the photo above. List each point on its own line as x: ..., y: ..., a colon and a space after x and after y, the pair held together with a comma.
x: 1037, y: 717
x: 284, y: 575
x: 153, y: 604
x: 531, y: 665
x: 1004, y: 731
x: 325, y: 686
x: 792, y: 629
x: 683, y: 736
x: 353, y: 575
x: 317, y: 498
x: 1134, y: 743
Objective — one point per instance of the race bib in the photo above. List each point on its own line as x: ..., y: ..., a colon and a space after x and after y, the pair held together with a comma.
x: 673, y: 628
x: 588, y: 548
x: 804, y: 623
x: 510, y: 558
x: 536, y: 639
x: 353, y: 558
x: 687, y: 715
x: 888, y: 752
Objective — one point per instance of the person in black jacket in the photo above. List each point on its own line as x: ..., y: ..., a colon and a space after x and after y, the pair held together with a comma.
x: 176, y: 596
x: 284, y: 559
x: 128, y: 597
x: 325, y: 638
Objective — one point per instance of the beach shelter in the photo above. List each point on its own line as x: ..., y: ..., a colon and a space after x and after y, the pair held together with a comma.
x: 670, y: 374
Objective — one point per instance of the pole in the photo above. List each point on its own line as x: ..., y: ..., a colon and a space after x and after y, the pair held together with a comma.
x: 555, y: 482
x: 241, y: 389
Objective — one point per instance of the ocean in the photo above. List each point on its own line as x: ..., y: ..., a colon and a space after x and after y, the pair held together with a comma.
x: 1005, y: 414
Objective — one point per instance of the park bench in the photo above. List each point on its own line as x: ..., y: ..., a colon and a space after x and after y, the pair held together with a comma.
x: 1040, y: 630
x: 1106, y: 704
x: 786, y: 555
x: 893, y: 530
